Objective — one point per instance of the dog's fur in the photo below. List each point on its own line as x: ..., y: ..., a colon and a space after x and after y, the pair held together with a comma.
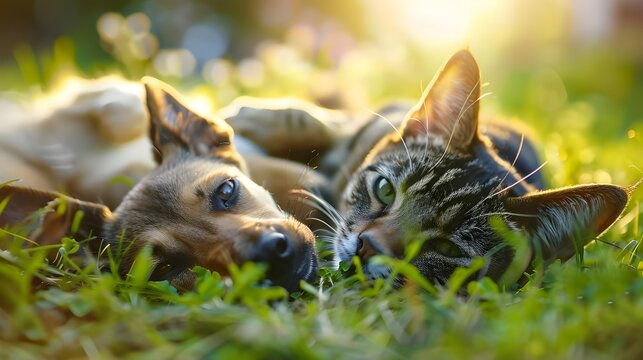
x: 80, y: 139
x: 87, y: 142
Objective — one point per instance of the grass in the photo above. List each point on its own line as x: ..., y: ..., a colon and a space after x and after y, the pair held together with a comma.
x: 567, y: 311
x: 590, y: 309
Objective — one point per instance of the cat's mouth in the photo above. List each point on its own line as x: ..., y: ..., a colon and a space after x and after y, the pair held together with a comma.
x: 368, y: 252
x: 370, y: 270
x: 351, y: 246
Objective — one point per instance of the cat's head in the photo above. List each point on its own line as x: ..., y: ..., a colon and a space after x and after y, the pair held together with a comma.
x: 437, y: 179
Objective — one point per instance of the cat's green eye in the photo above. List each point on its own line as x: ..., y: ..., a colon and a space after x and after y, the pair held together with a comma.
x: 446, y: 248
x: 384, y: 191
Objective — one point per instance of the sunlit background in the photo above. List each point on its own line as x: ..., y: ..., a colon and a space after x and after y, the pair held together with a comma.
x: 572, y: 70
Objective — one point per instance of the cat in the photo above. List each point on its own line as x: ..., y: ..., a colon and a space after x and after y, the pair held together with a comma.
x: 436, y: 175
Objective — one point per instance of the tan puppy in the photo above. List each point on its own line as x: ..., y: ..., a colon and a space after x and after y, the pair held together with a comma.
x: 198, y: 207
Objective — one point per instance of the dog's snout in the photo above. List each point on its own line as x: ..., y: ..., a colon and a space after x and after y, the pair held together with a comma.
x: 274, y: 246
x: 288, y: 251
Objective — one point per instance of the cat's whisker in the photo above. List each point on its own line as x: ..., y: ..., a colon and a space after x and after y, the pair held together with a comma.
x: 513, y: 163
x: 490, y: 195
x: 327, y: 242
x: 320, y: 204
x: 519, y: 181
x: 321, y: 232
x: 326, y: 234
x: 301, y: 176
x: 633, y: 166
x: 463, y: 111
x: 507, y: 188
x: 426, y: 125
x: 322, y: 221
x: 330, y: 216
x: 499, y: 213
x: 398, y: 134
x: 329, y: 211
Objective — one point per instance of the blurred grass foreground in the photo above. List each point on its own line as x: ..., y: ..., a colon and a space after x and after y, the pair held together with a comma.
x: 571, y: 70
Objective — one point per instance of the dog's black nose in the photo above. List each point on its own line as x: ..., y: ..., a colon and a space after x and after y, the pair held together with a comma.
x: 289, y: 257
x: 275, y: 246
x: 275, y: 249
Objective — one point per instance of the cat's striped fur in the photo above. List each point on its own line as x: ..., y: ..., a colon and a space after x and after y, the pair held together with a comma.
x: 448, y: 176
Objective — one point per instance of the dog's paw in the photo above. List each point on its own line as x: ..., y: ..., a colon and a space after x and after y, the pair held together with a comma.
x: 122, y: 119
x: 257, y: 124
x: 121, y: 116
x: 115, y: 107
x: 270, y: 127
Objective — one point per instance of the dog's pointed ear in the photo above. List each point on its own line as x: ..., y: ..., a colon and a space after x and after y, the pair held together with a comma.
x: 562, y: 221
x: 173, y: 126
x: 449, y: 106
x: 47, y: 217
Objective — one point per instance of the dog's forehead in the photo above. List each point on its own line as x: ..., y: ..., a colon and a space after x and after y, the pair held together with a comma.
x: 185, y: 168
x: 203, y: 175
x: 206, y: 171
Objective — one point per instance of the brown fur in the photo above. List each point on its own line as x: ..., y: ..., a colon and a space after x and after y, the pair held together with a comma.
x: 176, y: 208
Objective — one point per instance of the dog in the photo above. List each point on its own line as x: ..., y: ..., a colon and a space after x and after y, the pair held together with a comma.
x: 201, y: 205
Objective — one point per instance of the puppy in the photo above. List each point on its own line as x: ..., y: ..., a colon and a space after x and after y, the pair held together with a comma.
x: 199, y: 206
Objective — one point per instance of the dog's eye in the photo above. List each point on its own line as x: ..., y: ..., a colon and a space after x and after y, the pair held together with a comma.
x: 226, y: 190
x: 225, y: 195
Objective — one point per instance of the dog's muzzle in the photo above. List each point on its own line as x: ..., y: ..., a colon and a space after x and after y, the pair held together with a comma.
x: 290, y: 258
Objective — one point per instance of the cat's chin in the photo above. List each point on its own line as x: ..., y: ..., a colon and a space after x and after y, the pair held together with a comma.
x: 376, y: 271
x: 371, y: 271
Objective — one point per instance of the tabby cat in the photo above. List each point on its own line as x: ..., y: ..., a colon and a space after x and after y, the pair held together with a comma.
x: 435, y: 174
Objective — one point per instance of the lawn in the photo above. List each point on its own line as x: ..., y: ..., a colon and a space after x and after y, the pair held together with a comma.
x: 584, y: 108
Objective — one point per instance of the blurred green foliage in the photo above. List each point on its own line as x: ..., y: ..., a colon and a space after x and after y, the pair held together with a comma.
x: 584, y: 107
x: 588, y: 311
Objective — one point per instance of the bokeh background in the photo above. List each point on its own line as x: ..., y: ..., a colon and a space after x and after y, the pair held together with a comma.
x: 568, y: 71
x: 571, y: 70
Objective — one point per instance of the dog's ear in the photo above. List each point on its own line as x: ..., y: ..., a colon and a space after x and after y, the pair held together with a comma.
x: 562, y: 221
x: 173, y: 126
x: 449, y: 106
x: 47, y: 217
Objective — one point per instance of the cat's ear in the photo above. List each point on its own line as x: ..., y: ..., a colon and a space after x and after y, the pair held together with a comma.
x: 47, y: 217
x: 562, y: 221
x: 449, y: 105
x: 174, y: 126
